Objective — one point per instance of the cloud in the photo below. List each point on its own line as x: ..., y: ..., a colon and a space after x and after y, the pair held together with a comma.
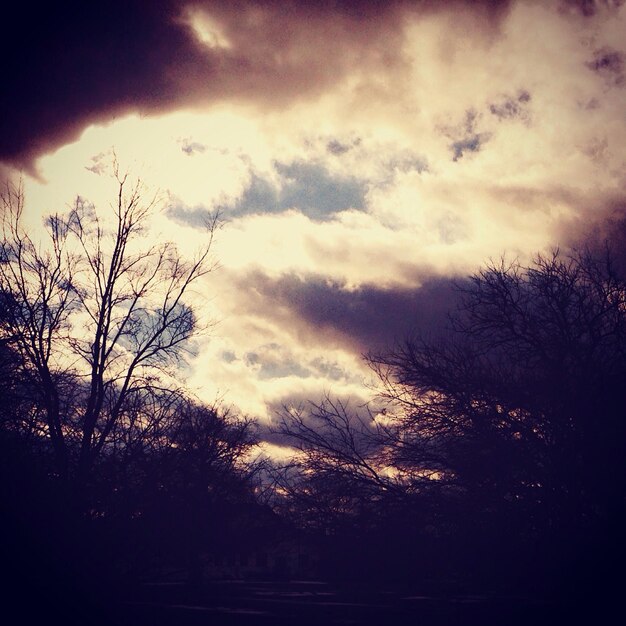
x: 70, y: 64
x: 366, y: 152
x: 73, y: 64
x: 361, y: 319
x: 315, y: 191
x: 589, y: 8
x: 405, y: 162
x: 512, y: 107
x: 197, y: 217
x: 273, y: 361
x: 310, y: 188
x: 355, y: 406
x: 609, y: 64
x: 192, y: 147
x: 465, y: 135
x: 607, y: 228
x: 337, y: 148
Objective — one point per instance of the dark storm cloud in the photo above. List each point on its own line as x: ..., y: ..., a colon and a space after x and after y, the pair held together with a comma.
x: 362, y: 319
x: 67, y: 65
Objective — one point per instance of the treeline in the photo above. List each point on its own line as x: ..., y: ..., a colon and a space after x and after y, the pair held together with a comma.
x: 495, y: 453
x: 492, y: 457
x: 110, y: 468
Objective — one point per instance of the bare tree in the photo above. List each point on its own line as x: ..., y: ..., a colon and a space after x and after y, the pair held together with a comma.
x: 521, y: 404
x: 341, y: 466
x: 516, y: 412
x: 97, y: 315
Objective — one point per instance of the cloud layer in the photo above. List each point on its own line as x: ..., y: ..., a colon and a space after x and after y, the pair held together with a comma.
x: 76, y: 63
x: 364, y: 156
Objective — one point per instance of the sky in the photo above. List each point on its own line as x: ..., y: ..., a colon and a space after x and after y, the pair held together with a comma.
x: 364, y: 157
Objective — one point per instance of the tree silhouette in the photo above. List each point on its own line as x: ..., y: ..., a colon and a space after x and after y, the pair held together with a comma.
x: 97, y: 316
x: 504, y: 435
x: 100, y: 445
x: 340, y: 469
x: 170, y: 492
x: 522, y: 402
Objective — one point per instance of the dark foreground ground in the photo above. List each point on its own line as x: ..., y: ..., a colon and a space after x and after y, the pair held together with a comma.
x: 302, y: 603
x: 311, y: 603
